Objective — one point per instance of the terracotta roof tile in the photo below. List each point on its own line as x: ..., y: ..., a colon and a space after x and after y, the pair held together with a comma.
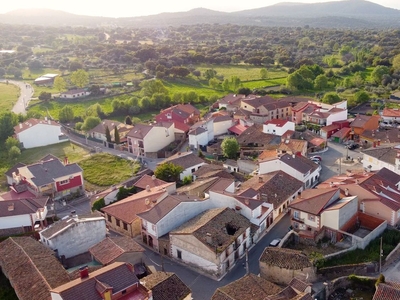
x: 285, y: 258
x: 387, y: 291
x: 111, y: 248
x: 22, y: 206
x: 255, y: 135
x: 26, y: 261
x: 150, y: 181
x: 213, y: 222
x: 299, y: 285
x: 119, y: 276
x: 387, y: 155
x: 391, y: 112
x: 249, y: 287
x: 269, y: 184
x: 185, y: 160
x: 166, y: 286
x: 33, y: 122
x: 314, y: 201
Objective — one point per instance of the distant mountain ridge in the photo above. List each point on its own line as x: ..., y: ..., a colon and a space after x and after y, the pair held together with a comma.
x: 337, y: 14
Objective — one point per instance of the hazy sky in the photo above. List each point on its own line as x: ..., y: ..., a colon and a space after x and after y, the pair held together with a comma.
x: 125, y: 8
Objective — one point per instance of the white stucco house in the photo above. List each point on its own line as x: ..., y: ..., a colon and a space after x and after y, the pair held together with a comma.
x: 74, y: 235
x: 20, y: 215
x: 72, y: 94
x: 37, y: 133
x: 188, y: 161
x: 375, y: 159
x: 278, y: 126
x: 299, y: 167
x: 146, y: 140
x: 213, y: 241
x: 201, y: 133
x: 222, y: 124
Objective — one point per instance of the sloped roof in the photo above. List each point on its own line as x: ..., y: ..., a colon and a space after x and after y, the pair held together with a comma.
x: 212, y: 223
x: 293, y: 145
x: 391, y: 112
x: 164, y: 207
x: 341, y: 133
x: 222, y: 119
x: 277, y: 122
x: 231, y: 99
x: 299, y: 163
x: 151, y: 181
x: 127, y: 209
x: 139, y: 131
x: 60, y: 226
x: 360, y: 121
x: 166, y: 286
x: 259, y: 101
x: 389, y: 176
x: 386, y: 136
x: 249, y: 287
x: 387, y: 155
x: 388, y: 290
x: 45, y: 172
x: 275, y: 187
x: 101, y: 127
x: 31, y: 268
x: 33, y: 122
x: 237, y: 129
x: 314, y: 201
x: 111, y: 248
x: 22, y: 206
x: 14, y: 168
x: 285, y: 258
x: 118, y: 276
x: 184, y: 159
x: 255, y: 135
x: 197, y: 131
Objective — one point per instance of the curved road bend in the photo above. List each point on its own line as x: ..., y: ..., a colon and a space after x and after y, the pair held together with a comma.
x: 26, y: 92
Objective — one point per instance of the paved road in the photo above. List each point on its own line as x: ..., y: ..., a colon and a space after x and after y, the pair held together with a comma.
x: 26, y: 92
x: 202, y: 286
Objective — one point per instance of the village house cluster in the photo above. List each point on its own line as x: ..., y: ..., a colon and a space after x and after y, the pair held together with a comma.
x: 210, y: 223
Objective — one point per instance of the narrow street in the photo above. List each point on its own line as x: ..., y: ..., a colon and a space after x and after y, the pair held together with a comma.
x: 26, y: 92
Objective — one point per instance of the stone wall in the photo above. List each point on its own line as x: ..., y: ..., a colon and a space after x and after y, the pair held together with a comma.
x: 393, y: 256
x: 330, y: 273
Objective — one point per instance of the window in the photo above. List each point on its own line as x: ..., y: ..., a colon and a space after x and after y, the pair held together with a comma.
x: 296, y: 214
x: 311, y: 217
x: 125, y: 225
x: 63, y: 182
x: 179, y: 254
x: 118, y: 222
x: 193, y: 170
x: 108, y: 218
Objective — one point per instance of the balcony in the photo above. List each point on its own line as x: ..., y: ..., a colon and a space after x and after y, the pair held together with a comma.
x: 297, y: 219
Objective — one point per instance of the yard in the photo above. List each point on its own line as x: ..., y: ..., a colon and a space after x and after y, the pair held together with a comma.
x: 9, y: 94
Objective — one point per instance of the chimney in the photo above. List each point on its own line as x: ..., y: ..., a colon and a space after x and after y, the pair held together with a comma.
x: 147, y: 188
x: 260, y: 179
x: 20, y: 125
x: 84, y: 272
x: 209, y: 238
x: 357, y: 181
x: 246, y: 201
x: 346, y: 191
x: 294, y: 155
x: 153, y: 177
x: 331, y: 184
x: 10, y: 206
x: 349, y: 173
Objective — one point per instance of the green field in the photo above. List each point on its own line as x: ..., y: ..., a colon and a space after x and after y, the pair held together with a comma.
x: 264, y: 83
x: 244, y: 72
x: 9, y: 94
x: 188, y: 85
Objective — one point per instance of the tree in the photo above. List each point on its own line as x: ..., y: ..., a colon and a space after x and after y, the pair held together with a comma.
x: 321, y: 82
x: 396, y: 62
x: 235, y: 82
x: 187, y: 180
x: 7, y: 122
x: 168, y: 172
x: 66, y: 114
x: 209, y: 73
x: 331, y: 98
x: 44, y: 96
x: 117, y: 139
x: 378, y: 73
x: 151, y: 87
x: 230, y: 147
x: 90, y: 123
x: 11, y: 142
x: 75, y: 65
x: 226, y: 86
x: 128, y: 120
x: 361, y: 97
x: 108, y: 134
x: 264, y: 73
x: 80, y: 78
x: 179, y: 71
x: 14, y: 153
x: 59, y: 84
x: 213, y: 82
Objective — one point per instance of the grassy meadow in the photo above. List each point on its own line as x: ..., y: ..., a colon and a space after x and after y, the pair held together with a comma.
x: 9, y: 94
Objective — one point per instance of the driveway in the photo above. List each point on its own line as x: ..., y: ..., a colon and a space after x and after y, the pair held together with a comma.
x: 26, y: 92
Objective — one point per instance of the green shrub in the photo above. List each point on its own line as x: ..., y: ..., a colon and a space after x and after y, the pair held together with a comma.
x: 99, y: 204
x: 123, y: 192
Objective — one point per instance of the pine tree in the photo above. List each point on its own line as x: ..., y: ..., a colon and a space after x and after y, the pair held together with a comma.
x: 116, y: 135
x: 108, y: 134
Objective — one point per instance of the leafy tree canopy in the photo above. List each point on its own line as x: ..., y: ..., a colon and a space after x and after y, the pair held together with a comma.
x: 230, y: 147
x: 168, y: 172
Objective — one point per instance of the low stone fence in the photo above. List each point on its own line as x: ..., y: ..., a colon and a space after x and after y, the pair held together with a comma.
x: 362, y: 269
x: 393, y: 256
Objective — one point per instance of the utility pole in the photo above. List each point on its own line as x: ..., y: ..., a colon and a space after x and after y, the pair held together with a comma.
x: 247, y: 262
x: 380, y: 257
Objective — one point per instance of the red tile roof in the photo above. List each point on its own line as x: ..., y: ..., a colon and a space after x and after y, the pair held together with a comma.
x: 387, y: 291
x: 166, y: 286
x: 33, y: 122
x: 31, y: 268
x: 237, y: 129
x: 111, y: 248
x: 151, y: 181
x: 285, y: 258
x: 277, y: 122
x: 313, y: 201
x: 391, y: 112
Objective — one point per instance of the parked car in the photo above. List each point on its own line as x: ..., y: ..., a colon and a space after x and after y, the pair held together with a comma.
x: 316, y: 157
x: 317, y: 161
x: 353, y: 146
x: 275, y: 242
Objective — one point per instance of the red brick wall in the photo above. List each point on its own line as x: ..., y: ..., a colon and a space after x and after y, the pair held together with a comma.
x: 74, y: 182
